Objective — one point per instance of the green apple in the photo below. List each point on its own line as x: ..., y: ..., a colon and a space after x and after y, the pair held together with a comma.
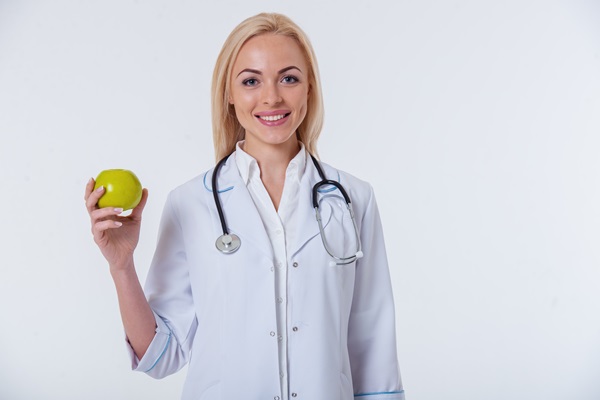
x: 122, y: 189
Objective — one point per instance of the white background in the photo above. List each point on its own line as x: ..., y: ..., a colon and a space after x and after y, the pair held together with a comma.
x: 477, y: 122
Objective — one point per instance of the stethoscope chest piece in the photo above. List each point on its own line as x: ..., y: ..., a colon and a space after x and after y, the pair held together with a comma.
x: 228, y: 244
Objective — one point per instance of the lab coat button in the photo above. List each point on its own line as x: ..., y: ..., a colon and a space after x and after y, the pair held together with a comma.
x: 294, y: 395
x: 272, y: 333
x: 278, y: 232
x: 276, y: 398
x: 295, y: 329
x: 279, y: 300
x: 295, y: 265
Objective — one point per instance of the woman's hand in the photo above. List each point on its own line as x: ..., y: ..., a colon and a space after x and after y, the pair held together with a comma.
x: 116, y: 236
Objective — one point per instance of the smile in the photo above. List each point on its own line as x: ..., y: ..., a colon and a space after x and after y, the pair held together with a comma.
x: 272, y: 117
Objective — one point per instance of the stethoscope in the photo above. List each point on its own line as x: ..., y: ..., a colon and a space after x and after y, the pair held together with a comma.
x: 229, y: 243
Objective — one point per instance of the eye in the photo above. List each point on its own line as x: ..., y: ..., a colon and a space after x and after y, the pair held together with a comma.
x: 289, y: 79
x: 250, y: 82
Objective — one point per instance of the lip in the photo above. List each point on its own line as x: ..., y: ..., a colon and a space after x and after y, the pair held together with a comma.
x: 286, y: 114
x: 269, y: 113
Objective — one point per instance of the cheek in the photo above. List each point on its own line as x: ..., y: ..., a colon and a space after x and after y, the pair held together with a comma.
x: 243, y: 116
x: 304, y: 102
x: 300, y: 98
x: 241, y: 99
x: 242, y: 104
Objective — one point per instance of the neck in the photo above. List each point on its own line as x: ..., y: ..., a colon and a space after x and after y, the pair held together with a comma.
x: 272, y: 159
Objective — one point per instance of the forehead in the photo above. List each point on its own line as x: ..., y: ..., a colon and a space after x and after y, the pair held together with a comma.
x: 268, y: 52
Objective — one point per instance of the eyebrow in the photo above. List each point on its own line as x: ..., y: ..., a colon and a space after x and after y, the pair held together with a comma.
x: 281, y: 71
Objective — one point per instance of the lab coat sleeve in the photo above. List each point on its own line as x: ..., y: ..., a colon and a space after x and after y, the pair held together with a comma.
x: 371, y: 331
x: 169, y: 294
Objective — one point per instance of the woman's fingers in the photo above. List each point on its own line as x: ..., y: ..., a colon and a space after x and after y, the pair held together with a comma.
x: 99, y: 230
x: 92, y: 200
x: 107, y: 224
x: 101, y: 220
x: 103, y: 213
x: 101, y: 226
x: 89, y: 187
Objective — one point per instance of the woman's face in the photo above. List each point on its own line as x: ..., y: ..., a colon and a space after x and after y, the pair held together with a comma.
x: 269, y: 89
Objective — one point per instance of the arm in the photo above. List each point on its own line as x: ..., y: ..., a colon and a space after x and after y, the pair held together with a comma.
x: 372, y: 333
x: 117, y: 238
x: 169, y: 293
x: 136, y: 314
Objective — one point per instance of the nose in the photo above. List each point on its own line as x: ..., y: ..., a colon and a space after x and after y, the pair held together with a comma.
x: 271, y: 94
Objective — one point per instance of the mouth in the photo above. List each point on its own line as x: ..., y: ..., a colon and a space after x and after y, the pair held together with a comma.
x: 273, y: 119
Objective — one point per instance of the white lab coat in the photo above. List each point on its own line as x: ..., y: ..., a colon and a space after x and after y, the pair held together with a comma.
x: 218, y: 312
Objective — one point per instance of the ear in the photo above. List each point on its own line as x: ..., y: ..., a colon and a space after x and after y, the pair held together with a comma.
x: 230, y: 99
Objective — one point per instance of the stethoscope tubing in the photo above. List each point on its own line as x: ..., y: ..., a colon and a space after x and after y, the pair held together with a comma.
x: 215, y: 191
x: 228, y: 243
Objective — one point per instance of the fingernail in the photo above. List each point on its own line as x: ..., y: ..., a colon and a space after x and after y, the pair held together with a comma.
x: 91, y: 179
x: 117, y: 223
x: 101, y: 188
x: 118, y: 210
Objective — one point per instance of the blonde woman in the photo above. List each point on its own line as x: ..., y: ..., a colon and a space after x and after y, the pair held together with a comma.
x: 282, y: 305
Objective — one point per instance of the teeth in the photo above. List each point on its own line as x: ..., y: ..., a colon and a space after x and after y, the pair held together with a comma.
x: 271, y: 117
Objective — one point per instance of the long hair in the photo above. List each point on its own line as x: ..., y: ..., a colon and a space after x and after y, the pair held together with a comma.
x: 227, y: 131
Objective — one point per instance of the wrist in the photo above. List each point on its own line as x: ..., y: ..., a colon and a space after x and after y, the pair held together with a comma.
x: 125, y: 279
x: 122, y: 267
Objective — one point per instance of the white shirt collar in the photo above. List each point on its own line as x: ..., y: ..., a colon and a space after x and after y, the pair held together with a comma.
x: 249, y: 169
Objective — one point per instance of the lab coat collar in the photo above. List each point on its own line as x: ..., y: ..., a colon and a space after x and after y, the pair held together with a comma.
x: 249, y: 169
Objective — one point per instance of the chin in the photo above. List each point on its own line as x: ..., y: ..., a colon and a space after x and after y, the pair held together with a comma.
x: 274, y: 138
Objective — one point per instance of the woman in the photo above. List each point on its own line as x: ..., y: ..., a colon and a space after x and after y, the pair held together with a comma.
x: 278, y: 317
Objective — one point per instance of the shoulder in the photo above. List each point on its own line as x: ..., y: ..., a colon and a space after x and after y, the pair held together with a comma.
x: 192, y: 191
x: 360, y: 192
x: 347, y: 179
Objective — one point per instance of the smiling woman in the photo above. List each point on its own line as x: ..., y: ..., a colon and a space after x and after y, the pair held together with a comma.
x: 247, y: 38
x: 269, y: 92
x: 272, y: 311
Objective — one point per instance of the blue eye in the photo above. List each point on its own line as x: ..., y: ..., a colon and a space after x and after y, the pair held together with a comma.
x: 289, y: 79
x: 250, y: 82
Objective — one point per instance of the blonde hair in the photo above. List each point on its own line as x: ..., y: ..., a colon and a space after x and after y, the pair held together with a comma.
x: 227, y: 131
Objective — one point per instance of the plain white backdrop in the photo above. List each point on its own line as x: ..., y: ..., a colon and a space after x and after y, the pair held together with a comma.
x: 477, y: 122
